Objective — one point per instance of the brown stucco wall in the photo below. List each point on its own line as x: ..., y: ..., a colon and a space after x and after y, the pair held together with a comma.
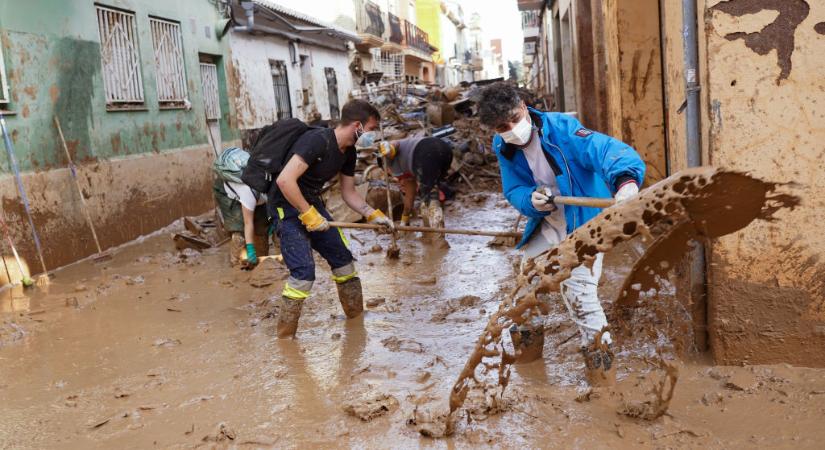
x: 127, y: 197
x: 766, y: 114
x: 641, y: 82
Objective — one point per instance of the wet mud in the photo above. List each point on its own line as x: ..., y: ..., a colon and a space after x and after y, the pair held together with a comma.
x: 701, y: 203
x: 164, y: 349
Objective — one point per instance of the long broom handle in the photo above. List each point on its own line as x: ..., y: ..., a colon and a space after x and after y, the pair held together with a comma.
x: 369, y: 226
x: 22, y: 190
x: 73, y: 168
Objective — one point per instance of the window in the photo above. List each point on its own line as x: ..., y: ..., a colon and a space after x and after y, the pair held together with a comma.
x: 391, y: 64
x: 280, y: 84
x: 171, y: 76
x: 119, y: 56
x: 209, y: 80
x: 4, y: 86
x: 332, y: 93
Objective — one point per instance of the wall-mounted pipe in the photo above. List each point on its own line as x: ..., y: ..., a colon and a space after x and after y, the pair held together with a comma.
x: 698, y: 263
x: 692, y: 86
x: 249, y: 12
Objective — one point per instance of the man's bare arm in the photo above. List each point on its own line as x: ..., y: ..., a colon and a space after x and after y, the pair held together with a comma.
x: 351, y: 197
x: 288, y: 183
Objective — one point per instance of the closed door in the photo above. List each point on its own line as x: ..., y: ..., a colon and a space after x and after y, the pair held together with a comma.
x: 280, y: 83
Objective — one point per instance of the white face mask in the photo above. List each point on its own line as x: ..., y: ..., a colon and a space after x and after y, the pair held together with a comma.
x: 520, y: 134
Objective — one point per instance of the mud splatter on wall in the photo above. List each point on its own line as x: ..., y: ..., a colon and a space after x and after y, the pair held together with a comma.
x: 779, y: 35
x: 766, y: 295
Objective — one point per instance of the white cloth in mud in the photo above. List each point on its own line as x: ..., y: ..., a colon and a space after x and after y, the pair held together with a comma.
x: 580, y: 291
x: 244, y: 194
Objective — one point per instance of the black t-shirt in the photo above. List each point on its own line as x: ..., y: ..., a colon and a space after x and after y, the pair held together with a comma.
x: 319, y: 149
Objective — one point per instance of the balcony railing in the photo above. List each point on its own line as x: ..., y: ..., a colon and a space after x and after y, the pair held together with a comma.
x: 396, y: 33
x: 369, y: 18
x: 416, y: 37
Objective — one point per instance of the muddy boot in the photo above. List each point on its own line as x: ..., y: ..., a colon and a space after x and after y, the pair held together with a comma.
x: 351, y: 297
x: 599, y: 363
x: 529, y: 339
x: 289, y: 311
x: 435, y: 215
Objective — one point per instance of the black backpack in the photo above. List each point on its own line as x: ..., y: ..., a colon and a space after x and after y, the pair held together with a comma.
x: 270, y: 151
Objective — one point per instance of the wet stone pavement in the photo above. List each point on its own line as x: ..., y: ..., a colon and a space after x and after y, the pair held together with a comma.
x: 160, y: 349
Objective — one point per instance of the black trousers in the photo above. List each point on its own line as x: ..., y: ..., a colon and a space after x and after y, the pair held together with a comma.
x: 431, y: 164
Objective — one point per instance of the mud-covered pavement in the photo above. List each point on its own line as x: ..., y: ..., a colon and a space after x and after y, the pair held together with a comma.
x: 161, y: 349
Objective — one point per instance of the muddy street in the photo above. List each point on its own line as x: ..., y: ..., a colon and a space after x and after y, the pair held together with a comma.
x: 157, y: 348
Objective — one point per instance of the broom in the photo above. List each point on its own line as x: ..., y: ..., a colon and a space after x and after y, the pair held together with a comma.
x: 42, y: 280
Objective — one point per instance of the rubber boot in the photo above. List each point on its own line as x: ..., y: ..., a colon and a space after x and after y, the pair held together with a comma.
x: 435, y: 215
x: 351, y: 297
x: 289, y: 311
x: 528, y: 338
x: 599, y: 363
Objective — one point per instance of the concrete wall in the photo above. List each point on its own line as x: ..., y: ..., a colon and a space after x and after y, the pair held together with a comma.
x: 252, y: 90
x: 52, y: 56
x: 766, y: 94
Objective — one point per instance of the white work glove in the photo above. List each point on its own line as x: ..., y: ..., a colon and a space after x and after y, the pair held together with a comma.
x: 541, y: 201
x: 626, y: 191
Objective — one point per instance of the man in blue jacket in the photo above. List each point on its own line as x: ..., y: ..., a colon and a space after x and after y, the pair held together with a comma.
x: 541, y: 155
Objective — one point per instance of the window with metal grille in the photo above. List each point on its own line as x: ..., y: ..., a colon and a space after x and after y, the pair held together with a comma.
x: 332, y: 93
x: 119, y: 57
x: 280, y: 84
x: 391, y: 64
x: 209, y: 81
x: 171, y: 76
x: 4, y: 86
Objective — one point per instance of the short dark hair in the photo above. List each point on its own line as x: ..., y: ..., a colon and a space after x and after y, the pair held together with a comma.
x: 358, y: 111
x: 497, y: 102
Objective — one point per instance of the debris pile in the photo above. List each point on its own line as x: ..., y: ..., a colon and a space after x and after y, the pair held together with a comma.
x: 415, y: 110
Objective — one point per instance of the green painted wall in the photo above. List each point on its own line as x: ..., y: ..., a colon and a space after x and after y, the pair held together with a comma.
x: 52, y: 56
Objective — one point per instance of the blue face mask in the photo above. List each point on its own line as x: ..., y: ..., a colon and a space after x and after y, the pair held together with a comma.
x: 366, y: 139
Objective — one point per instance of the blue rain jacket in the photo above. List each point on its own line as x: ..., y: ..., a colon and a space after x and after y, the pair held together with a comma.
x: 586, y: 164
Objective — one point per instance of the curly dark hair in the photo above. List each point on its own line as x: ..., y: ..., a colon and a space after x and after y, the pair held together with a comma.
x: 497, y: 102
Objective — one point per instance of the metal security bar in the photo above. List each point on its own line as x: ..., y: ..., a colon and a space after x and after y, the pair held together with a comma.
x: 209, y: 80
x: 332, y: 93
x: 391, y: 64
x: 171, y: 76
x: 280, y: 83
x: 119, y: 54
x: 4, y: 85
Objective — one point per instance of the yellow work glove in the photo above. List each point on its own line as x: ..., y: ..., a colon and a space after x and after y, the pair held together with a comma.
x: 386, y: 150
x: 313, y: 220
x: 378, y: 218
x: 405, y: 219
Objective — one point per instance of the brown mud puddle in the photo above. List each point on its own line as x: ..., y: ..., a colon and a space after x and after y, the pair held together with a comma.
x: 156, y: 349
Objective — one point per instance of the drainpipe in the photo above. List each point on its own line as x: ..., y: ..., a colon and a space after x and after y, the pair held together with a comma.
x: 692, y: 88
x: 698, y: 267
x: 249, y: 11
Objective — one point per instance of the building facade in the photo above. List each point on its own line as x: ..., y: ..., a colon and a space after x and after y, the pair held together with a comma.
x: 392, y: 43
x: 140, y: 90
x: 286, y: 63
x: 622, y: 66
